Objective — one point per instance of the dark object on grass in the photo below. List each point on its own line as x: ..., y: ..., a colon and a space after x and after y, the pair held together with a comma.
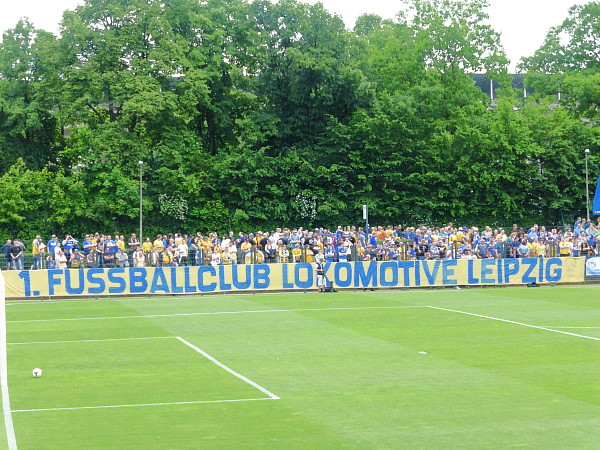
x: 329, y: 287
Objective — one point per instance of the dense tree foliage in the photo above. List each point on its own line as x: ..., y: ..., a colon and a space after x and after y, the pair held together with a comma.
x: 252, y: 115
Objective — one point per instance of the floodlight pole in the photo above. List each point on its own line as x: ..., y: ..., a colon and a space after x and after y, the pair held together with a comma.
x: 141, y: 163
x: 587, y: 186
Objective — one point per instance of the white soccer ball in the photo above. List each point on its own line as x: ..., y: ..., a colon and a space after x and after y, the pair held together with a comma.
x: 37, y: 372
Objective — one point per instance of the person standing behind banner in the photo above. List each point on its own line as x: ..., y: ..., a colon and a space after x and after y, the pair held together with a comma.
x: 565, y: 247
x: 183, y: 250
x: 522, y: 250
x: 121, y: 258
x: 270, y: 252
x: 342, y: 252
x: 37, y: 251
x: 139, y: 259
x: 68, y: 245
x: 329, y: 253
x: 52, y: 244
x: 321, y: 280
x: 158, y: 250
x: 77, y: 259
x: 15, y: 254
x: 147, y: 251
x: 133, y: 243
x: 88, y: 251
x: 61, y: 260
x: 6, y: 250
x: 113, y: 248
x: 319, y: 256
x: 282, y: 252
x: 99, y: 252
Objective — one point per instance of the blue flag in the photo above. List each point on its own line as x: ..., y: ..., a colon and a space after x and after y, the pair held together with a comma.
x: 596, y: 205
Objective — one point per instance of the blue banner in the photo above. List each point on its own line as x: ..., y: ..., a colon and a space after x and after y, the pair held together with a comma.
x: 596, y: 205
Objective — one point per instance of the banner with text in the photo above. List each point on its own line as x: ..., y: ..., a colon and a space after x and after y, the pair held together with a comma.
x: 299, y: 276
x: 592, y: 267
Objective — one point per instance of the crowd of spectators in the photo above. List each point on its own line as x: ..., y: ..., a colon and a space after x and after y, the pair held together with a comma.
x: 285, y: 245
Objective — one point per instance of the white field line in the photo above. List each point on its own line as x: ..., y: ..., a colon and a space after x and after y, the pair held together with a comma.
x: 8, y: 422
x: 144, y: 404
x: 187, y: 296
x: 91, y: 340
x: 271, y: 396
x: 11, y: 439
x: 553, y: 330
x: 231, y: 371
x: 576, y: 328
x: 216, y: 313
x: 52, y: 300
x: 56, y: 301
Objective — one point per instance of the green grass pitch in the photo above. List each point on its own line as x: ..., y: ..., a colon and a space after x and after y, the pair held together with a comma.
x: 440, y: 368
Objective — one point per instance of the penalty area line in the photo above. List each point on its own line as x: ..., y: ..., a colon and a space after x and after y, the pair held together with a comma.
x: 144, y: 404
x: 227, y: 369
x: 517, y: 323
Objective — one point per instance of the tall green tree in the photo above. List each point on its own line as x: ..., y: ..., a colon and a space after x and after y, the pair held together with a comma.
x: 257, y: 114
x: 428, y: 128
x: 122, y: 63
x: 306, y: 74
x: 568, y: 62
x: 28, y: 128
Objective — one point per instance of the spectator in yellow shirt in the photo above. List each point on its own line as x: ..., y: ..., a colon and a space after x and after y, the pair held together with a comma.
x: 37, y: 249
x: 158, y: 248
x: 566, y: 247
x: 296, y: 254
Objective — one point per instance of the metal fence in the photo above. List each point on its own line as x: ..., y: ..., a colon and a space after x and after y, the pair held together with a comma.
x: 403, y: 250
